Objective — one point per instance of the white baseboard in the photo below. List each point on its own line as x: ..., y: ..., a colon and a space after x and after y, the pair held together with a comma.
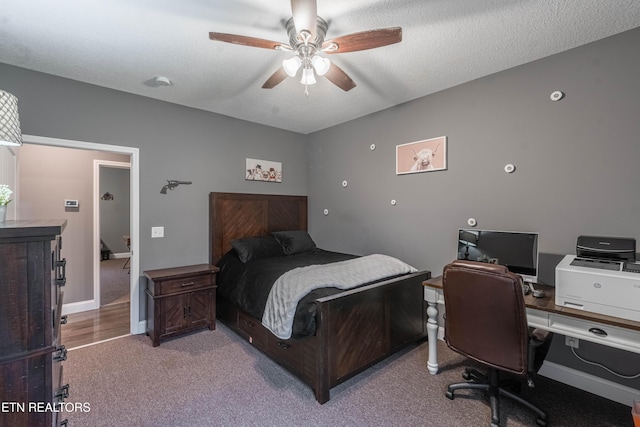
x: 596, y: 385
x: 120, y: 255
x: 142, y: 328
x: 77, y: 307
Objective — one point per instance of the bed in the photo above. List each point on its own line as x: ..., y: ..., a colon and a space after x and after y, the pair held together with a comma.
x: 352, y: 329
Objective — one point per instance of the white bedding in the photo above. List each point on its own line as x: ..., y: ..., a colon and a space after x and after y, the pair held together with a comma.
x: 293, y: 285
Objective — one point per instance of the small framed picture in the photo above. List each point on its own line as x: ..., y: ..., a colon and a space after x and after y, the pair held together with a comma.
x: 427, y: 155
x: 263, y: 170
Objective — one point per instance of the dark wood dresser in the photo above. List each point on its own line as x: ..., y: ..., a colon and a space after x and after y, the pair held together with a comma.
x: 180, y: 300
x: 32, y: 273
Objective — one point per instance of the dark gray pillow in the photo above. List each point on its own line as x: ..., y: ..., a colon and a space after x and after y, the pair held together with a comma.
x: 295, y: 241
x: 257, y: 247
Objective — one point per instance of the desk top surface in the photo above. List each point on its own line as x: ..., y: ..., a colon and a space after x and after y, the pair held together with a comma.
x: 547, y: 303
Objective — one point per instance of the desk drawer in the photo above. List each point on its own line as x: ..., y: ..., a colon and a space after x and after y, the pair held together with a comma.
x: 537, y: 318
x: 612, y: 336
x: 185, y: 284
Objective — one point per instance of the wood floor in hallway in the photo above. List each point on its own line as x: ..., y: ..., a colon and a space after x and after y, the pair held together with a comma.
x: 89, y: 327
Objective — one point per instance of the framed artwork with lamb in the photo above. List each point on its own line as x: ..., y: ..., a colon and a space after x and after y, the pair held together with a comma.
x: 427, y: 155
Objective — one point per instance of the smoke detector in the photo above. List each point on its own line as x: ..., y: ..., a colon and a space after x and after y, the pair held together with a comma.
x: 162, y: 81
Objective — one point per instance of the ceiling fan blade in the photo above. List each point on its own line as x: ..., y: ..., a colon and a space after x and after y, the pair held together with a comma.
x: 275, y: 79
x: 247, y: 41
x: 363, y: 40
x: 339, y: 78
x: 305, y: 16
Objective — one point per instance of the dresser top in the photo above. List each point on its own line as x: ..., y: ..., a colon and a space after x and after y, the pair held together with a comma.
x: 32, y: 228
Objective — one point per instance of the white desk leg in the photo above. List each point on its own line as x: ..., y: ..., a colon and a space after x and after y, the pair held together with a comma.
x: 432, y: 333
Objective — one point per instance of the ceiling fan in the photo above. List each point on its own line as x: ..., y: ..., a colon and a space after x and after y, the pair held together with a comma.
x: 306, y: 31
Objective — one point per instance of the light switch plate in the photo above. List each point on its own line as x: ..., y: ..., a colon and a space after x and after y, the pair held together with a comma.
x: 157, y: 232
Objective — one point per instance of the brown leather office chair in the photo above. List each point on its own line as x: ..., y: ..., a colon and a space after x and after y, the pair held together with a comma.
x: 486, y: 321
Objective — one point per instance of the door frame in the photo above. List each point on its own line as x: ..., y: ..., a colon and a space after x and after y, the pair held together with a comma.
x: 137, y: 326
x: 96, y: 221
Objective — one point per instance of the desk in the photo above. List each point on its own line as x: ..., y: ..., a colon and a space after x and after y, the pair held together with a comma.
x: 543, y: 313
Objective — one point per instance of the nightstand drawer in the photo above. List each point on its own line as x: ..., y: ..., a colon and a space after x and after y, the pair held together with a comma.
x: 185, y: 284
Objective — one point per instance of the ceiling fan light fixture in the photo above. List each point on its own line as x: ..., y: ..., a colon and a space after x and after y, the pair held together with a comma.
x: 307, y: 77
x: 320, y: 64
x: 291, y: 66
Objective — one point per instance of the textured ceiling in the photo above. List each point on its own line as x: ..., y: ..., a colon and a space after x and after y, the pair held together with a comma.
x: 124, y: 44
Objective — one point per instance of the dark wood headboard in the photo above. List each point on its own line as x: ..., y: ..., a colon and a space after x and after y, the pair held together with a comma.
x: 237, y: 215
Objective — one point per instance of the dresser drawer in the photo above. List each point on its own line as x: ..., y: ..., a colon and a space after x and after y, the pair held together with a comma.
x: 256, y: 333
x: 185, y: 284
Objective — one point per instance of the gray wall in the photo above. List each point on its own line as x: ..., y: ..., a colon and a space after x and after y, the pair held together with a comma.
x: 175, y: 142
x: 49, y: 175
x: 114, y: 213
x: 576, y: 167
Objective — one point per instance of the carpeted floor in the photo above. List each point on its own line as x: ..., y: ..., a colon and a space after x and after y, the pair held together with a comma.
x: 114, y: 282
x: 212, y: 378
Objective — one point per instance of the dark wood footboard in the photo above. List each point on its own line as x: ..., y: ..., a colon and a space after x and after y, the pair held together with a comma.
x: 355, y: 329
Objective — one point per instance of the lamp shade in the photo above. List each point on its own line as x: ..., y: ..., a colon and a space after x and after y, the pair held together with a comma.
x: 10, y: 133
x: 320, y: 64
x: 291, y: 65
x: 307, y: 77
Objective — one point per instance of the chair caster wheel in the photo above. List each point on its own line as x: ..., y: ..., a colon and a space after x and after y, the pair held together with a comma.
x: 541, y: 422
x: 449, y: 395
x: 466, y: 375
x: 495, y: 425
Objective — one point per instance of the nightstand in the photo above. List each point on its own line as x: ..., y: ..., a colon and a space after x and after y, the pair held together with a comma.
x: 180, y: 300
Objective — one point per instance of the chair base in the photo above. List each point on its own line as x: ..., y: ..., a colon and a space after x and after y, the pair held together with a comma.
x: 491, y: 384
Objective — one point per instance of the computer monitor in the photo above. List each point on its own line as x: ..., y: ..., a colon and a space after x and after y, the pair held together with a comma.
x: 518, y: 251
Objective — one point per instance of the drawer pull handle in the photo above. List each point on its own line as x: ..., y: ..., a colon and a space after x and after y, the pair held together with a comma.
x: 64, y: 319
x: 61, y: 268
x: 61, y: 282
x: 63, y: 354
x: 184, y: 285
x: 598, y: 331
x: 283, y: 345
x: 64, y: 422
x: 184, y: 312
x: 63, y: 393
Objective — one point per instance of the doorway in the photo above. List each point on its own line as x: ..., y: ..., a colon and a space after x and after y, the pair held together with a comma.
x: 137, y: 326
x: 111, y: 207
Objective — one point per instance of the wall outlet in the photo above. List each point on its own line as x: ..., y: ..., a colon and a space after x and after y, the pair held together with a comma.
x: 157, y: 232
x: 572, y: 342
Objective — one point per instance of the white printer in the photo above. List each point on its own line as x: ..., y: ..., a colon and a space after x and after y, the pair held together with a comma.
x: 602, y: 277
